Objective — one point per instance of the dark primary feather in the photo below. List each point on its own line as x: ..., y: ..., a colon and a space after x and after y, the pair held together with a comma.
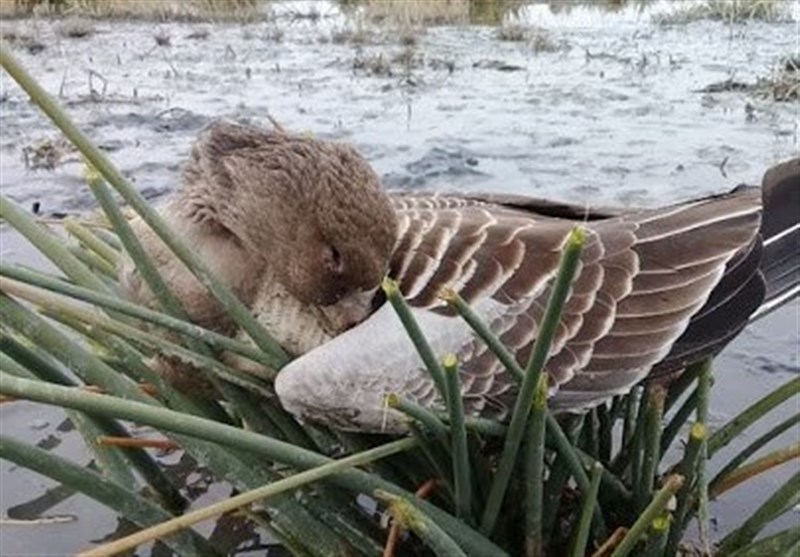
x: 781, y: 232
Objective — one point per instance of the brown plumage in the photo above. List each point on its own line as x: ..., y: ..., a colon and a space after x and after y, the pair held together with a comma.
x: 303, y: 233
x: 656, y: 289
x: 272, y: 215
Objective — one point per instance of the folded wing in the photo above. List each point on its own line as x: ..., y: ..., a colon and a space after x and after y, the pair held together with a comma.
x: 642, y: 278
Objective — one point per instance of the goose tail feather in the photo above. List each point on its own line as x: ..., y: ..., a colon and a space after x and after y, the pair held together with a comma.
x: 780, y: 230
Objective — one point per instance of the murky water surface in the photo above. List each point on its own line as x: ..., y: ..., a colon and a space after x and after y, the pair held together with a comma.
x: 613, y: 116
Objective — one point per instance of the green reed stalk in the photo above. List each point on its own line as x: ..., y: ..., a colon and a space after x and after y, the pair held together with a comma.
x: 751, y: 414
x: 109, y: 238
x: 241, y: 403
x: 704, y: 382
x: 395, y: 297
x: 587, y: 507
x: 50, y: 245
x: 119, y: 465
x: 786, y: 497
x: 589, y: 439
x: 438, y: 456
x: 652, y: 447
x: 235, y: 438
x: 635, y: 451
x: 605, y: 436
x: 126, y: 502
x: 534, y: 471
x: 687, y: 468
x: 612, y: 487
x: 238, y: 312
x: 56, y: 307
x: 628, y: 423
x: 93, y: 371
x: 413, y: 518
x: 559, y: 475
x: 424, y: 416
x: 562, y: 444
x: 462, y: 474
x: 119, y: 305
x: 97, y: 264
x: 55, y: 250
x: 758, y: 466
x: 116, y: 465
x: 454, y: 300
x: 144, y: 264
x: 33, y: 360
x: 157, y: 344
x: 481, y: 426
x: 678, y: 420
x: 751, y: 449
x: 553, y: 493
x: 173, y: 525
x: 679, y: 386
x: 786, y: 543
x: 645, y: 521
x: 86, y: 237
x: 541, y: 349
x: 85, y: 365
x: 554, y: 431
x: 656, y: 542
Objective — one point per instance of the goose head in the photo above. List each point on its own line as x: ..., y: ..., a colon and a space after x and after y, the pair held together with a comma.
x: 312, y: 212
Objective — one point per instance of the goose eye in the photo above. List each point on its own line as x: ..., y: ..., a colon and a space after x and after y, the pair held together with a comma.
x: 333, y: 260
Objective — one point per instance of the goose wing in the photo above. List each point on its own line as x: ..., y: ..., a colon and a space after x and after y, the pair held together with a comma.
x: 642, y: 277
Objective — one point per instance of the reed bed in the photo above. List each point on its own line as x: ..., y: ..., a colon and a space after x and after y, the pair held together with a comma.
x: 598, y: 484
x: 173, y: 10
x: 728, y: 11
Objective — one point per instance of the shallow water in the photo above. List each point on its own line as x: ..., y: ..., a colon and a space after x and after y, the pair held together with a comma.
x: 614, y: 117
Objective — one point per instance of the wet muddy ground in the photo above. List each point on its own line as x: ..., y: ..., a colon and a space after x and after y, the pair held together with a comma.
x: 604, y: 109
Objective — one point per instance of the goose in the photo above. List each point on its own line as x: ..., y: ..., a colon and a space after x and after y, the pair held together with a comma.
x: 272, y: 215
x: 302, y: 231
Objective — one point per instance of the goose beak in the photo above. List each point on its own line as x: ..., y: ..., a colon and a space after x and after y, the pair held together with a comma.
x: 351, y: 310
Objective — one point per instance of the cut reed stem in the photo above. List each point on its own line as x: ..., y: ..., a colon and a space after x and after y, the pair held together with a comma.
x: 137, y: 442
x: 652, y: 446
x: 410, y: 517
x: 645, y: 521
x: 534, y: 472
x: 583, y: 528
x: 519, y: 418
x: 462, y: 474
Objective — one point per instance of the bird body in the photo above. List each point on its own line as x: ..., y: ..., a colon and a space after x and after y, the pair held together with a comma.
x: 301, y: 230
x: 643, y: 276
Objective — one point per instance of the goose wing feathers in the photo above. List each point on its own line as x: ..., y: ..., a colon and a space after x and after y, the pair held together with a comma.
x: 642, y: 278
